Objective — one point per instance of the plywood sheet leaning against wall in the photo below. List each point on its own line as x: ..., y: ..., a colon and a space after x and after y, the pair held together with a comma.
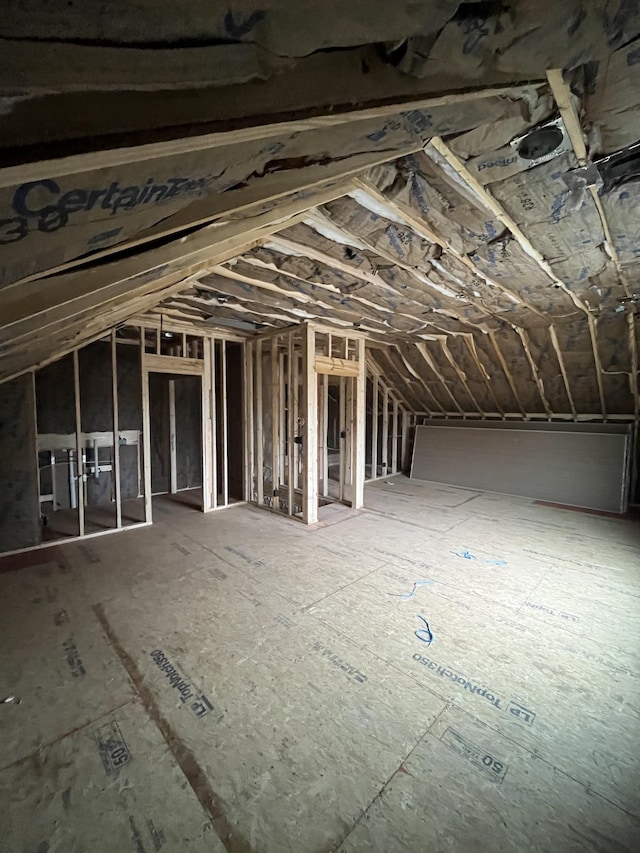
x: 584, y: 465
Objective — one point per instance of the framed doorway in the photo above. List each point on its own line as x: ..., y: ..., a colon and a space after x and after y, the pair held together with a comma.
x: 336, y: 438
x: 176, y: 431
x: 193, y: 395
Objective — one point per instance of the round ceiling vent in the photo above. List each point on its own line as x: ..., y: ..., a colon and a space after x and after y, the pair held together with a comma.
x: 540, y: 142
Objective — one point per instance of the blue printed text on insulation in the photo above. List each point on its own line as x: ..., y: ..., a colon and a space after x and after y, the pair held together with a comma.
x: 43, y: 206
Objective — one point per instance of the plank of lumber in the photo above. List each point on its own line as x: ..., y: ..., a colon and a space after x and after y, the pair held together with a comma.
x: 326, y: 181
x: 256, y: 129
x: 336, y: 366
x: 310, y: 433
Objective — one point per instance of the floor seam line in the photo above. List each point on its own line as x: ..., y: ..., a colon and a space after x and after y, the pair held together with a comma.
x: 183, y: 756
x: 346, y: 586
x: 65, y: 735
x: 393, y: 775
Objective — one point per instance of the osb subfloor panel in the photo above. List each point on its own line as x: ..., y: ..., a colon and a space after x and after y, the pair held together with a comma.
x: 443, y: 671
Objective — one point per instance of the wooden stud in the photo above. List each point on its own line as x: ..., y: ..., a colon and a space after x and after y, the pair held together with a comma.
x: 385, y: 431
x: 146, y: 434
x: 310, y: 446
x: 290, y: 425
x: 259, y: 426
x: 297, y: 359
x: 215, y: 393
x: 350, y: 409
x: 342, y: 433
x: 36, y: 452
x: 325, y: 435
x: 346, y: 425
x: 79, y: 445
x: 207, y: 432
x: 357, y: 488
x: 275, y: 423
x: 635, y: 374
x: 173, y: 466
x: 282, y: 414
x: 394, y: 439
x: 224, y: 423
x: 323, y: 417
x: 116, y: 429
x: 249, y: 438
x: 562, y: 96
x: 374, y: 429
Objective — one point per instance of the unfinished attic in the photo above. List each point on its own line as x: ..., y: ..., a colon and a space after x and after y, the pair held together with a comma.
x: 319, y: 406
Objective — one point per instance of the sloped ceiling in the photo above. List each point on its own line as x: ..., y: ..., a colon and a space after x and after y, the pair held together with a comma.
x: 372, y: 188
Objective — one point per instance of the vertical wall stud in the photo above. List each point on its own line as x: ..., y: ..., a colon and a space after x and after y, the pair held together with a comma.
x: 290, y: 423
x: 249, y: 438
x: 342, y: 433
x: 224, y: 423
x: 374, y: 429
x: 207, y: 427
x: 385, y: 431
x: 282, y: 413
x: 361, y: 421
x: 259, y: 444
x: 116, y: 428
x: 173, y: 455
x: 275, y: 424
x: 79, y: 444
x: 215, y: 392
x: 394, y: 439
x: 296, y: 418
x: 146, y: 434
x: 310, y: 447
